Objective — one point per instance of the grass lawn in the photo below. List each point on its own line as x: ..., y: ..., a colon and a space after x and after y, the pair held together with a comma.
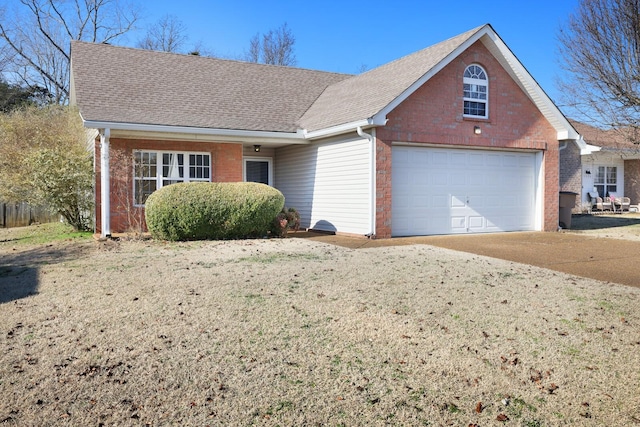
x: 295, y: 332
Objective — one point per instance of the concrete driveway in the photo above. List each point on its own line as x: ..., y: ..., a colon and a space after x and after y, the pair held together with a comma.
x: 610, y: 260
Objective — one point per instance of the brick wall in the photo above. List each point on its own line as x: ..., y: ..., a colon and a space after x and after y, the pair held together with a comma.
x: 571, y: 173
x: 226, y: 161
x: 433, y: 114
x: 632, y: 180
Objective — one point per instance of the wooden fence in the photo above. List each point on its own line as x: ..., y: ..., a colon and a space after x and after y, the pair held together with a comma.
x: 22, y: 214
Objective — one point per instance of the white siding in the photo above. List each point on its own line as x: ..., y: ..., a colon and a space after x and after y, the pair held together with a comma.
x: 329, y: 183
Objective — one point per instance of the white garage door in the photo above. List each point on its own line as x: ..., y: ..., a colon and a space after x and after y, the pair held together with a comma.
x: 453, y: 191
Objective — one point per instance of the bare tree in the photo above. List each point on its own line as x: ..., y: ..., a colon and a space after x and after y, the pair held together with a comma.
x: 600, y: 48
x: 37, y: 35
x: 274, y: 47
x: 253, y: 55
x: 168, y: 35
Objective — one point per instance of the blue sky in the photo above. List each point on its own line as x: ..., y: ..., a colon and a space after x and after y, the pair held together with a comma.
x: 349, y: 36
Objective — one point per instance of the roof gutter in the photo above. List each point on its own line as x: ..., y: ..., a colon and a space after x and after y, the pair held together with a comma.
x: 343, y: 128
x: 586, y: 149
x: 227, y: 133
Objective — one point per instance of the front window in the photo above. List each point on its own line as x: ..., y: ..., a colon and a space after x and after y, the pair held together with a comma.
x: 155, y: 169
x: 475, y: 92
x: 257, y: 170
x: 606, y: 180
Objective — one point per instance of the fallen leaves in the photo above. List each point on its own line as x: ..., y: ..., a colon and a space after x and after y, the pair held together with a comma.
x: 512, y: 362
x: 537, y: 377
x: 502, y: 417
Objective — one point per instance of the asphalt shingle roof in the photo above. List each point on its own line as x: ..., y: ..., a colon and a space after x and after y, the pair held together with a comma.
x: 610, y: 138
x: 125, y: 85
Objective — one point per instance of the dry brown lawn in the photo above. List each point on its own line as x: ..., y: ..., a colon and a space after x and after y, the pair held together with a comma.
x: 294, y: 332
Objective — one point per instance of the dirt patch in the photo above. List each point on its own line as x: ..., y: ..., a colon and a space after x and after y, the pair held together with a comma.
x: 296, y: 332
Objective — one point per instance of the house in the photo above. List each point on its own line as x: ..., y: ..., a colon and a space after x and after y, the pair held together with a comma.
x: 607, y: 163
x: 455, y: 138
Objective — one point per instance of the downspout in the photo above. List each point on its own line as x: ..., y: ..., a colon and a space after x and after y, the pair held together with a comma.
x: 372, y: 174
x: 105, y: 189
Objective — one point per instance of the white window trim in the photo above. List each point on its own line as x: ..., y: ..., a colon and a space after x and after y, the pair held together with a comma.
x: 159, y: 177
x: 269, y: 160
x: 468, y: 80
x: 606, y: 184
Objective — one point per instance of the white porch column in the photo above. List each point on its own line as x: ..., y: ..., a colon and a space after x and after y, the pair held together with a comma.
x: 105, y: 187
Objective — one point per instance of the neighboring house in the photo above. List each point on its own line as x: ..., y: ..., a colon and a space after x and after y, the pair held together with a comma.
x: 455, y: 138
x: 607, y: 164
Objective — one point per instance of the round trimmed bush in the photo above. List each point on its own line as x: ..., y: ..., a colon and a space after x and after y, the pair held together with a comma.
x: 212, y: 210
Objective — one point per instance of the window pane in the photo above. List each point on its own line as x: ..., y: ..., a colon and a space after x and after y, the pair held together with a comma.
x: 199, y: 167
x: 257, y: 171
x: 600, y: 190
x: 475, y: 91
x: 172, y: 166
x: 143, y: 188
x: 475, y: 108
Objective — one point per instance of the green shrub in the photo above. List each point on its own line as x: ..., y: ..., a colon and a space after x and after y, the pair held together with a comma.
x: 212, y: 210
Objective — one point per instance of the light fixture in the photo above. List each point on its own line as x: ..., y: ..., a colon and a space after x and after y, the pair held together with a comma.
x: 477, y: 130
x: 588, y: 172
x: 256, y: 148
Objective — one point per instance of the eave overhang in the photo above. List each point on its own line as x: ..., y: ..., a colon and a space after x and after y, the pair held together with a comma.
x: 176, y: 133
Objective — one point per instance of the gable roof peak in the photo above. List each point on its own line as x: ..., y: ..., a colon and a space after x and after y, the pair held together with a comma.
x: 371, y: 95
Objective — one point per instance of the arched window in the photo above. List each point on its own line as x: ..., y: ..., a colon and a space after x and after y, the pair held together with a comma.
x: 475, y: 93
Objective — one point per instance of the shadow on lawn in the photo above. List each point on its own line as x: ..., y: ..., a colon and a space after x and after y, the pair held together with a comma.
x: 597, y: 222
x: 19, y: 271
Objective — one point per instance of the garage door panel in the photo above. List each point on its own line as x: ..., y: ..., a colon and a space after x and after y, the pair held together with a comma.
x: 439, y: 179
x: 493, y: 160
x: 458, y: 158
x: 476, y: 160
x: 476, y: 222
x: 457, y: 179
x: 421, y: 202
x: 459, y: 223
x: 494, y: 180
x: 465, y: 191
x: 439, y: 200
x: 458, y: 202
x: 439, y: 160
x: 482, y: 201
